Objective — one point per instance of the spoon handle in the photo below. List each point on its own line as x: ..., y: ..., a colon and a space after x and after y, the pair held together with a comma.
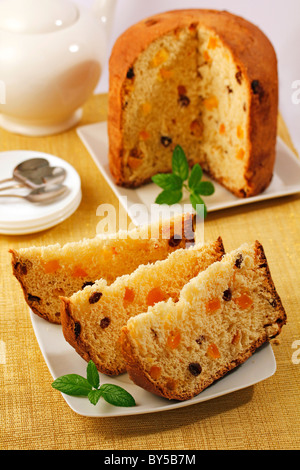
x: 13, y: 195
x: 7, y: 180
x: 14, y: 186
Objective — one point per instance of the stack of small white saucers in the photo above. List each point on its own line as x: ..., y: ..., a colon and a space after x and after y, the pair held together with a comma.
x: 21, y: 217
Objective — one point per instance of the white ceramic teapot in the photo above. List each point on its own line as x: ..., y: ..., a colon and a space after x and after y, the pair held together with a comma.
x: 51, y: 57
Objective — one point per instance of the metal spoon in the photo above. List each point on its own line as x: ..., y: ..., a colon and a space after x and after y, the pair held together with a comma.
x: 45, y: 194
x: 39, y: 178
x: 23, y: 170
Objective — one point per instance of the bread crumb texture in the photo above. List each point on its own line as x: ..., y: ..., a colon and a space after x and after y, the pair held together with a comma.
x: 222, y: 316
x: 190, y: 86
x: 102, y: 310
x: 46, y: 273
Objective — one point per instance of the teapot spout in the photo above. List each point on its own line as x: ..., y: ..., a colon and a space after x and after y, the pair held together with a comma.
x: 104, y: 10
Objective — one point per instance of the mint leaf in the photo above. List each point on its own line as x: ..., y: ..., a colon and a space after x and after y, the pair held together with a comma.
x: 116, y: 395
x: 195, y: 176
x: 168, y: 182
x: 72, y: 384
x: 180, y: 164
x: 205, y: 188
x: 78, y: 386
x: 92, y: 375
x: 94, y: 396
x: 169, y: 197
x: 197, y: 200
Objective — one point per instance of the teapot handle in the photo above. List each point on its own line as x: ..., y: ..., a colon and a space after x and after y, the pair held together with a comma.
x: 104, y: 10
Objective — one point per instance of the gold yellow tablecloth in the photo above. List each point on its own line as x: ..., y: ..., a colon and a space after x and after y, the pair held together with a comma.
x: 34, y: 416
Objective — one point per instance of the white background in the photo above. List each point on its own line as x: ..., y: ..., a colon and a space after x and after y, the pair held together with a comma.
x: 279, y: 19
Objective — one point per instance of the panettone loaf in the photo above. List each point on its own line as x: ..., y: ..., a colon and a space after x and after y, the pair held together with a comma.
x: 47, y: 273
x: 223, y: 315
x: 92, y: 319
x: 205, y: 80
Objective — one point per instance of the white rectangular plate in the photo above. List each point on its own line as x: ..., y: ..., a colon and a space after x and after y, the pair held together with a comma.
x: 286, y: 179
x: 62, y: 359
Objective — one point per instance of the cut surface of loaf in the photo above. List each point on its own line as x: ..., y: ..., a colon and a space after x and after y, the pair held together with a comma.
x: 205, y: 80
x: 93, y: 318
x: 176, y: 350
x: 47, y: 273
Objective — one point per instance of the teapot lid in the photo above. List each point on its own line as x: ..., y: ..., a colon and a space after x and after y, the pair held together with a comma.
x: 36, y: 16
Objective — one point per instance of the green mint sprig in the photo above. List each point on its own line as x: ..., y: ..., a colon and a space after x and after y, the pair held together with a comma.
x: 77, y: 386
x: 181, y: 177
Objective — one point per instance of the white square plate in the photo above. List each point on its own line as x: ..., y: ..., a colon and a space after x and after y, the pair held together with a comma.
x: 62, y: 359
x: 286, y: 179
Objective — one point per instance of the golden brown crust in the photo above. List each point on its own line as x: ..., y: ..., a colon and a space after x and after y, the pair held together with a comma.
x: 253, y: 54
x: 221, y: 248
x: 140, y: 376
x: 282, y: 318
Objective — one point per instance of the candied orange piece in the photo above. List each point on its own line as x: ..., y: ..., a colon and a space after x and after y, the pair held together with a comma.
x: 222, y: 129
x: 174, y: 339
x: 165, y: 74
x: 146, y: 108
x: 240, y: 132
x: 213, y: 306
x: 129, y: 295
x: 206, y: 56
x: 212, y: 43
x: 79, y: 272
x: 135, y: 158
x: 244, y: 301
x: 155, y: 372
x: 144, y: 135
x: 134, y: 163
x: 213, y: 351
x: 51, y: 266
x: 211, y: 103
x: 240, y: 154
x: 161, y: 56
x: 154, y: 296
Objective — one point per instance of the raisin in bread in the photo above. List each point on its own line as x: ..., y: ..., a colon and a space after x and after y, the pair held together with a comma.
x: 47, y: 273
x: 92, y: 319
x: 205, y: 80
x: 223, y: 315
